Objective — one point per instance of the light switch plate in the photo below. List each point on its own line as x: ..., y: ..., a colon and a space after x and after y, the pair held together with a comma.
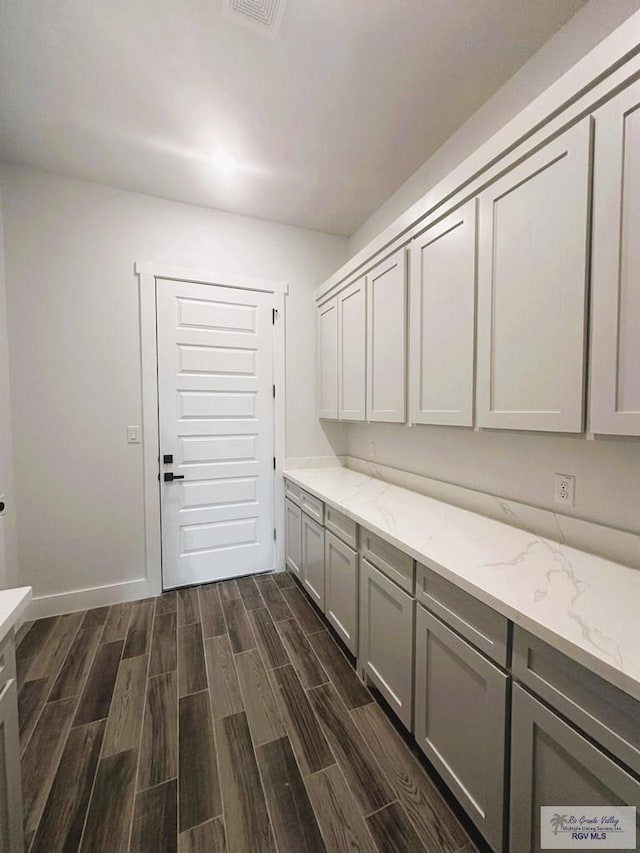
x: 565, y: 489
x: 133, y: 435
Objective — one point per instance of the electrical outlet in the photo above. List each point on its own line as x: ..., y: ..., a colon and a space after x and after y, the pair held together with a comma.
x: 133, y: 434
x: 565, y: 489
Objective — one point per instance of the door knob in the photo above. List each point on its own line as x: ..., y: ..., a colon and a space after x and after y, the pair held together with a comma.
x: 169, y: 477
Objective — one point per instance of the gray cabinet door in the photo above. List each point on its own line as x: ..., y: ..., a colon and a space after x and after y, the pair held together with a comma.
x: 460, y: 722
x: 10, y: 785
x: 293, y: 537
x: 385, y: 651
x: 553, y: 765
x: 313, y: 559
x: 341, y: 589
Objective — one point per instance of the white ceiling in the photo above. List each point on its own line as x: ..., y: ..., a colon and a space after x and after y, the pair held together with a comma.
x: 324, y: 120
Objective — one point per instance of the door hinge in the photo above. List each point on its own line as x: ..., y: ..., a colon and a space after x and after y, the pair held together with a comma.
x: 274, y: 315
x: 274, y: 533
x: 274, y: 392
x: 274, y: 463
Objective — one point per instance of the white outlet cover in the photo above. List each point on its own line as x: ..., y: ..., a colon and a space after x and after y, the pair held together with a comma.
x: 565, y: 489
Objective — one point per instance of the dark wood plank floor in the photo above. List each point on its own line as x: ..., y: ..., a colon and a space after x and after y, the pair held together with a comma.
x: 223, y: 718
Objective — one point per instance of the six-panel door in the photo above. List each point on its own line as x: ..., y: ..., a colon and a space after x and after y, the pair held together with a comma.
x: 352, y: 352
x: 293, y: 537
x: 341, y: 589
x: 615, y: 275
x: 313, y: 559
x: 532, y: 289
x: 328, y: 360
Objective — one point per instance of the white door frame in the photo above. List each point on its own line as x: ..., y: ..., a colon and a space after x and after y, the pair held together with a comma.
x: 150, y: 276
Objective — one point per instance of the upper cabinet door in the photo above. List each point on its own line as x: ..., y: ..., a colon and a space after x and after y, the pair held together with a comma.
x: 615, y: 329
x: 442, y: 297
x: 328, y: 360
x: 532, y: 272
x: 386, y: 340
x: 352, y: 349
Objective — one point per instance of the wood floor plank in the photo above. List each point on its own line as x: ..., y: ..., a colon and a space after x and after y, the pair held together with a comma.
x: 343, y: 676
x: 310, y: 671
x: 302, y: 610
x: 188, y: 606
x: 64, y: 814
x: 249, y: 593
x: 41, y: 759
x: 159, y: 746
x: 139, y: 632
x: 283, y: 579
x: 342, y: 826
x: 393, y: 832
x: 95, y: 700
x: 115, y: 628
x: 21, y: 632
x: 245, y: 810
x: 276, y: 605
x: 36, y: 637
x: 155, y: 820
x: 199, y: 785
x: 22, y: 669
x: 240, y: 630
x: 209, y: 837
x: 263, y: 713
x: 213, y: 624
x: 268, y: 639
x: 95, y: 618
x: 228, y: 590
x: 52, y: 655
x: 127, y: 707
x: 435, y: 823
x: 71, y: 677
x: 192, y: 670
x: 31, y: 698
x: 167, y: 602
x: 356, y: 760
x: 292, y: 817
x: 309, y: 743
x: 111, y: 808
x: 164, y: 644
x: 224, y: 687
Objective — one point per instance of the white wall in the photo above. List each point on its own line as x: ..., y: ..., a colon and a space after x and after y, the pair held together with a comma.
x: 75, y: 357
x: 596, y: 20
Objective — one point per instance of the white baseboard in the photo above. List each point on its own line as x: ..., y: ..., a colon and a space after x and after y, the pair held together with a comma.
x: 85, y: 599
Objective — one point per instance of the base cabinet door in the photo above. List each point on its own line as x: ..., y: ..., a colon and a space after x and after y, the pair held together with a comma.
x: 341, y: 589
x: 293, y: 537
x: 385, y: 652
x: 460, y: 722
x: 553, y: 765
x: 11, y: 840
x: 313, y: 559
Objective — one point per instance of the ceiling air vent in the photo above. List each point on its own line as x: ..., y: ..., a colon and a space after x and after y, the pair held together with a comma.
x: 261, y: 15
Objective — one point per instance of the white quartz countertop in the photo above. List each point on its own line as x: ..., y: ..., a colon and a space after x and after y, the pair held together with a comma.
x: 13, y: 603
x: 585, y: 606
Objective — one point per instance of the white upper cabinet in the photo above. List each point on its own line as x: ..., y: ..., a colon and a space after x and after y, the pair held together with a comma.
x: 386, y: 340
x: 615, y: 328
x: 328, y: 359
x: 532, y: 273
x: 352, y: 350
x: 442, y: 333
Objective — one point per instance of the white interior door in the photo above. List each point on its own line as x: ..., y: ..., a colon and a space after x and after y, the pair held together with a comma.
x: 215, y: 399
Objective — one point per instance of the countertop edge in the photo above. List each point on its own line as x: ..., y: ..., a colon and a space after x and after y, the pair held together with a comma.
x: 17, y: 609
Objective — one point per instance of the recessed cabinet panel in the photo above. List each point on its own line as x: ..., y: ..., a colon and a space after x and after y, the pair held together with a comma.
x: 341, y: 589
x: 386, y: 344
x: 328, y: 360
x: 11, y: 834
x: 533, y: 248
x: 615, y: 339
x: 313, y: 559
x: 551, y: 764
x: 460, y: 721
x: 293, y: 537
x: 443, y: 286
x: 352, y: 351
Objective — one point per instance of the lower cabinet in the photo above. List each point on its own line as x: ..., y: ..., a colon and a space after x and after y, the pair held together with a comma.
x: 341, y: 589
x: 293, y: 537
x: 461, y: 720
x: 385, y: 652
x: 553, y: 765
x: 313, y: 559
x: 10, y: 787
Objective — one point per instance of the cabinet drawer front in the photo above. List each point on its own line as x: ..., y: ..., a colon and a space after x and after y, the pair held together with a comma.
x: 460, y: 721
x: 481, y: 625
x: 341, y: 589
x: 293, y: 492
x: 7, y: 660
x: 390, y: 560
x: 343, y: 527
x: 606, y: 714
x: 552, y: 764
x: 312, y: 506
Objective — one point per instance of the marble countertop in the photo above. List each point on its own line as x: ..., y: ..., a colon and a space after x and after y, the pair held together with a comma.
x: 585, y: 606
x: 13, y: 603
